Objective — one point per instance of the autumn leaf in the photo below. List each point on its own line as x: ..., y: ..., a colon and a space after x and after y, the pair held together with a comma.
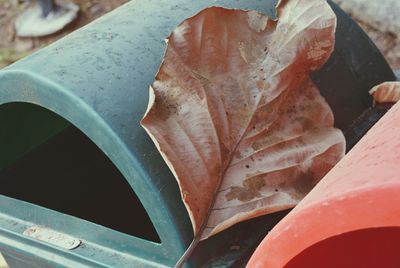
x: 235, y: 115
x: 386, y: 92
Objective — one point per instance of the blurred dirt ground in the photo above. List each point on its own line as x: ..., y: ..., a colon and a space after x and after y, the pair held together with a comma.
x: 387, y: 42
x: 381, y: 20
x: 13, y: 48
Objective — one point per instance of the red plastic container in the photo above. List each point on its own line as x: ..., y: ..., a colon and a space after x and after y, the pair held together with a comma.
x: 352, y: 217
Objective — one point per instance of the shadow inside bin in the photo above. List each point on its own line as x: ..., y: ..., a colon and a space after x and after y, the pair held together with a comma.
x: 366, y: 248
x: 70, y: 174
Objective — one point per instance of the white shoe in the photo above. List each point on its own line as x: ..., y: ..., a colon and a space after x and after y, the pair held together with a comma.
x: 31, y: 23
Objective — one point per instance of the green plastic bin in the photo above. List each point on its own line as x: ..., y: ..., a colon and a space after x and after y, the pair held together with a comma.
x: 76, y: 167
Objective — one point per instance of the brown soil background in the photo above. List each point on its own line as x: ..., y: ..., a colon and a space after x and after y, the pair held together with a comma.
x: 13, y: 48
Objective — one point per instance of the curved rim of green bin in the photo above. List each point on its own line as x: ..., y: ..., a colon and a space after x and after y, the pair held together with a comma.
x: 27, y: 87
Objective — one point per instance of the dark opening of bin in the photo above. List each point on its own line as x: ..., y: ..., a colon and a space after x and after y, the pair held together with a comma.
x: 46, y: 161
x: 367, y: 248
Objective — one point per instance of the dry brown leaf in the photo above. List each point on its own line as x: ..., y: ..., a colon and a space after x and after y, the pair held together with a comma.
x: 237, y: 118
x: 386, y: 92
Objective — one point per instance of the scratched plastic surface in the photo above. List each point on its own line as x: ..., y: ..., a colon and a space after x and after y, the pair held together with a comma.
x: 360, y: 193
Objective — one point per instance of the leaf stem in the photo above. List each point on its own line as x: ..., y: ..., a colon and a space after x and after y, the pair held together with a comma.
x: 188, y: 252
x: 197, y: 237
